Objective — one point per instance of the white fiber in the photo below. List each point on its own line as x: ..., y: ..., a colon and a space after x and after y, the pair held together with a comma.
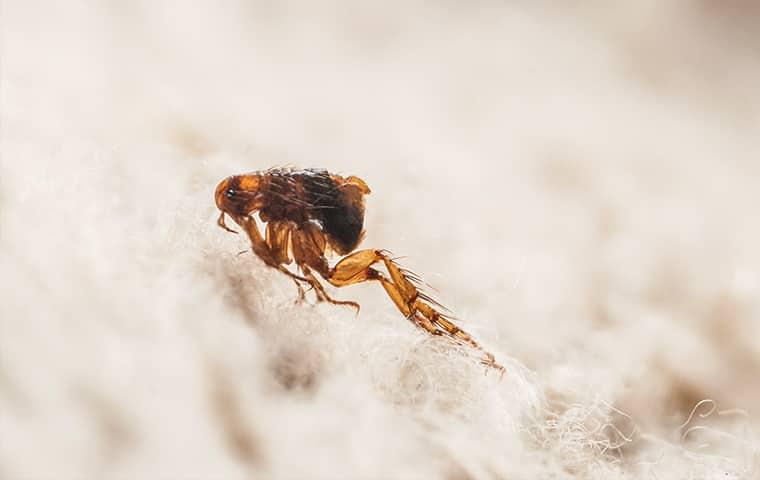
x: 579, y: 181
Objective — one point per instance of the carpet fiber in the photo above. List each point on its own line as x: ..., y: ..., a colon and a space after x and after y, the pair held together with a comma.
x: 579, y: 182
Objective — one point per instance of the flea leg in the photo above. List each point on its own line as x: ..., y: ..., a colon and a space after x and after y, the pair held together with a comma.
x: 220, y: 222
x: 308, y: 250
x: 322, y: 294
x: 264, y: 251
x: 277, y: 237
x: 296, y: 280
x: 403, y: 289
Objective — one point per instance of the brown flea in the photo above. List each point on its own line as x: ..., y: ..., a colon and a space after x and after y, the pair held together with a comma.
x: 309, y: 213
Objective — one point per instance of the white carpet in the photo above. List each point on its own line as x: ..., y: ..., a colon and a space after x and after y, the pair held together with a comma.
x: 581, y: 184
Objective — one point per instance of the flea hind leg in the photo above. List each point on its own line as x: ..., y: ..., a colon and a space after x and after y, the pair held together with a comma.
x: 403, y: 289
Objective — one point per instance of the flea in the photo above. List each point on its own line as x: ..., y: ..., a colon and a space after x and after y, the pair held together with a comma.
x: 309, y: 214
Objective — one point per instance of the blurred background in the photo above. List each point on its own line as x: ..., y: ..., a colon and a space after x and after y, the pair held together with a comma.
x: 580, y: 182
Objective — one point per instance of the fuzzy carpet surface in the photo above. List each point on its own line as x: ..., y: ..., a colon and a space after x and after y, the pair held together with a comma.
x: 579, y: 181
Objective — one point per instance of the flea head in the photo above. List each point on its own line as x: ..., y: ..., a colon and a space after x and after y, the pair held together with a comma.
x: 238, y: 196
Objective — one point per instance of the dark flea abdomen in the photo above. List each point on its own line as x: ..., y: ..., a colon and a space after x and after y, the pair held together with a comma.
x: 314, y: 194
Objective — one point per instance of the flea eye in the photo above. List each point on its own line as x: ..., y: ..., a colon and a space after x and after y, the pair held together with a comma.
x: 230, y: 193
